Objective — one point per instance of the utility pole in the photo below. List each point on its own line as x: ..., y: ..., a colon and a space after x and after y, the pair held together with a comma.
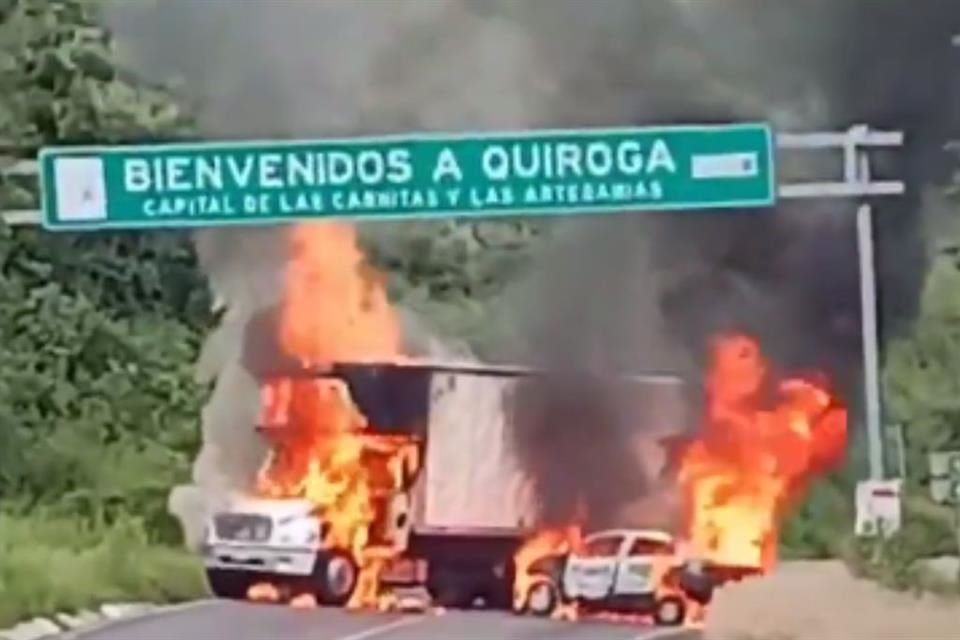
x: 870, y: 340
x: 857, y: 183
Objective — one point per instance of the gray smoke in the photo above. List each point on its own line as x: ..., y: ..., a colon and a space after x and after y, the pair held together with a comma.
x: 628, y: 293
x: 302, y: 68
x: 643, y: 293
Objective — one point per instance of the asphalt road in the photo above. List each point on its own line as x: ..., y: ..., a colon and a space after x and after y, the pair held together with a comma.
x: 243, y: 621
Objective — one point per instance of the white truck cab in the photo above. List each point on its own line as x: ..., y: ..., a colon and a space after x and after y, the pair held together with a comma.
x: 254, y: 539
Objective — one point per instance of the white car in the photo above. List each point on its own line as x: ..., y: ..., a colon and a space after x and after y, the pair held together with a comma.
x: 623, y: 570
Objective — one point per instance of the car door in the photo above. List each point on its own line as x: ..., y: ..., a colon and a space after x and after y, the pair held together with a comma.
x: 642, y: 566
x: 590, y: 574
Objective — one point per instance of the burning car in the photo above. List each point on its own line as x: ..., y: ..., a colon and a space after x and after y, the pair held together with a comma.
x: 633, y: 571
x: 762, y: 441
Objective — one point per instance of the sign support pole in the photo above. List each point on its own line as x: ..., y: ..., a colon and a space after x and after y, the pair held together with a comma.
x: 871, y: 360
x: 956, y: 526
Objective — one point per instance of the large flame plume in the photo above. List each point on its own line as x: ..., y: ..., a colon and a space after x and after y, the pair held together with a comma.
x: 762, y: 442
x: 334, y: 308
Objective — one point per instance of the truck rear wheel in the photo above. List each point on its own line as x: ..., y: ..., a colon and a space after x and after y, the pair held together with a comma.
x: 227, y: 584
x: 448, y: 590
x: 335, y: 577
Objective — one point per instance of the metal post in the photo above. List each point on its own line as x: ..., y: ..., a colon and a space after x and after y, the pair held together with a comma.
x: 956, y: 526
x: 901, y: 451
x: 871, y: 360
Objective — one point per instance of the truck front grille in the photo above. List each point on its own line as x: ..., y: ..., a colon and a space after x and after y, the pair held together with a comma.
x: 242, y: 527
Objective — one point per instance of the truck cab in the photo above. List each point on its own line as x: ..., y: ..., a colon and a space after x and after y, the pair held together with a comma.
x: 257, y: 540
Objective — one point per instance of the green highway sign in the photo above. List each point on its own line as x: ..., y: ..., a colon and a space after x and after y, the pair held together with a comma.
x: 945, y: 490
x: 945, y: 476
x: 945, y: 463
x: 409, y: 176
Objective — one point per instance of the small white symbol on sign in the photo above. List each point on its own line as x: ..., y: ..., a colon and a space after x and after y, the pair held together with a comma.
x: 711, y: 166
x: 81, y: 189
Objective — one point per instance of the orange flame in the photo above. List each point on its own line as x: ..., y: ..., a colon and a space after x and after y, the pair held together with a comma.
x: 335, y: 305
x: 545, y: 543
x: 754, y: 458
x: 263, y: 592
x: 304, y: 601
x: 334, y: 308
x: 762, y: 442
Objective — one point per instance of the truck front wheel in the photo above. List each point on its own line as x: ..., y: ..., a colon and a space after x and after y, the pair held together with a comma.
x: 227, y: 584
x: 335, y: 576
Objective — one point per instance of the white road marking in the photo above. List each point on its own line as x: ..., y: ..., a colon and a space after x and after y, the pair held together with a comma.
x: 383, y: 628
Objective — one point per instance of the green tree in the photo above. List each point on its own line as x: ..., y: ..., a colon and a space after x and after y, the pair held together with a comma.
x: 61, y: 84
x: 98, y: 410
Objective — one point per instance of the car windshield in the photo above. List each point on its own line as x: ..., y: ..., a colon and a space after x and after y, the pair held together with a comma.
x: 651, y: 547
x: 603, y: 547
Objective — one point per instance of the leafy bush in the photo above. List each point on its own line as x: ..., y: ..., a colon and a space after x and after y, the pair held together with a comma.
x: 98, y: 408
x: 50, y: 564
x: 819, y: 526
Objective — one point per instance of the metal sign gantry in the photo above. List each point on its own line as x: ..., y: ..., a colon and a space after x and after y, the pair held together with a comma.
x: 856, y: 183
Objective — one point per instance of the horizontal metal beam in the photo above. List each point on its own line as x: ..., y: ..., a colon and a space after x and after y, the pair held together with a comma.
x: 19, y: 218
x: 841, y: 189
x: 21, y: 168
x: 856, y: 137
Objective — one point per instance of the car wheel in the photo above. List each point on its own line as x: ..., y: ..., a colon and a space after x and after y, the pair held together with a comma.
x: 335, y: 577
x: 697, y: 586
x: 670, y: 611
x: 542, y: 599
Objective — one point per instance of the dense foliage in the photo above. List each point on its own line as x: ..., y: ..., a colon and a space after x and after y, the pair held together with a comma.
x: 98, y: 408
x: 97, y: 332
x: 50, y: 564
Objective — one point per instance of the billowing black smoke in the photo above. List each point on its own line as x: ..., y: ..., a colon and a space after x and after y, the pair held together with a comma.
x: 644, y: 293
x: 619, y: 294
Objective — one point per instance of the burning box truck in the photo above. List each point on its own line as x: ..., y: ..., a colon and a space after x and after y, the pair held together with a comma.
x: 390, y: 474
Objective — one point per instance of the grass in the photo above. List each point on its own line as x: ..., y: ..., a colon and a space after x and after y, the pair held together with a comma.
x: 50, y: 564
